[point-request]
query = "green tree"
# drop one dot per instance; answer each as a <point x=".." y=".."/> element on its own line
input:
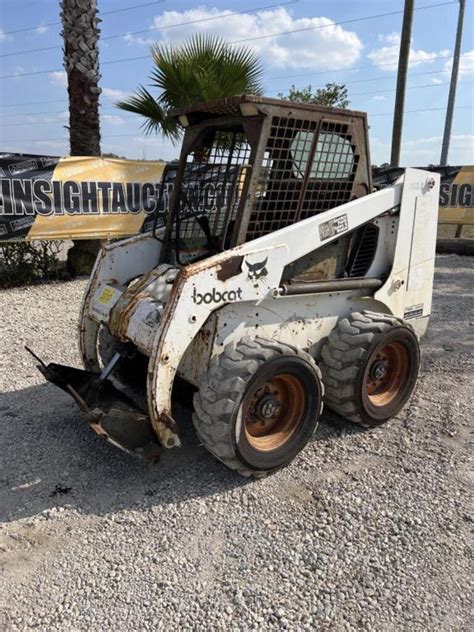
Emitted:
<point x="202" y="69"/>
<point x="334" y="95"/>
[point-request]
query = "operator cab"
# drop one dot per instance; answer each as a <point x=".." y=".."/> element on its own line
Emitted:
<point x="251" y="165"/>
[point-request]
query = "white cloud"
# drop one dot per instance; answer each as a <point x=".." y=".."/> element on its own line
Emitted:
<point x="4" y="36"/>
<point x="113" y="93"/>
<point x="139" y="41"/>
<point x="112" y="119"/>
<point x="62" y="117"/>
<point x="149" y="147"/>
<point x="19" y="70"/>
<point x="149" y="141"/>
<point x="425" y="151"/>
<point x="53" y="144"/>
<point x="389" y="38"/>
<point x="386" y="57"/>
<point x="317" y="49"/>
<point x="436" y="81"/>
<point x="58" y="78"/>
<point x="466" y="64"/>
<point x="380" y="97"/>
<point x="41" y="29"/>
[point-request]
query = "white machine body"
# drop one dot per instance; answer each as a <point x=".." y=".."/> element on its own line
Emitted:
<point x="181" y="316"/>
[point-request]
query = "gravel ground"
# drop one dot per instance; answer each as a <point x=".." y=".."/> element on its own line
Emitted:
<point x="365" y="530"/>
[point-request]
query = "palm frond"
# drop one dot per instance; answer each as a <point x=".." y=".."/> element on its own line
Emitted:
<point x="156" y="119"/>
<point x="204" y="68"/>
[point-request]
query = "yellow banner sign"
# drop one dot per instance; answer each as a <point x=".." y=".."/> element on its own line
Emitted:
<point x="456" y="199"/>
<point x="77" y="198"/>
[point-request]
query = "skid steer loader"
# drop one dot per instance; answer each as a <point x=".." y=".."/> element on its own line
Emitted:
<point x="277" y="281"/>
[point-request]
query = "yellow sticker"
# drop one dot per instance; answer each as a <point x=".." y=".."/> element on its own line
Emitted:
<point x="106" y="295"/>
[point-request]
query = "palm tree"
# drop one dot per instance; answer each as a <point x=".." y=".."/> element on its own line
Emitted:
<point x="81" y="61"/>
<point x="202" y="69"/>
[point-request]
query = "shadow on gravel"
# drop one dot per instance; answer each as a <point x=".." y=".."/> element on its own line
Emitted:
<point x="51" y="458"/>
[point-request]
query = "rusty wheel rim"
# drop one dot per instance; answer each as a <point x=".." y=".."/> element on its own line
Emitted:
<point x="387" y="373"/>
<point x="273" y="411"/>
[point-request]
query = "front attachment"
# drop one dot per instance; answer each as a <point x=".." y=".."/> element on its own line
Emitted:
<point x="111" y="414"/>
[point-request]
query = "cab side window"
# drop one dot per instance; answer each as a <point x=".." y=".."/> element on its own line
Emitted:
<point x="333" y="158"/>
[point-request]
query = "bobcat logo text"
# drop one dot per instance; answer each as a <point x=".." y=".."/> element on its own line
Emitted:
<point x="217" y="297"/>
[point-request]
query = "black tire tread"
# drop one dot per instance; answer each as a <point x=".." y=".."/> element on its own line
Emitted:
<point x="346" y="345"/>
<point x="222" y="387"/>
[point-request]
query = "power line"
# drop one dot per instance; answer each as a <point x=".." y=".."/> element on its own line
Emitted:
<point x="39" y="140"/>
<point x="323" y="26"/>
<point x="106" y="107"/>
<point x="3" y="116"/>
<point x="389" y="63"/>
<point x="129" y="8"/>
<point x="159" y="28"/>
<point x="462" y="107"/>
<point x="56" y="122"/>
<point x="425" y="85"/>
<point x="9" y="105"/>
<point x="379" y="78"/>
<point x="250" y="39"/>
<point x="15" y="105"/>
<point x="384" y="77"/>
<point x="63" y="100"/>
<point x="45" y="72"/>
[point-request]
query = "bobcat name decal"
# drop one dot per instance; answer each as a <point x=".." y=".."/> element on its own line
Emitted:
<point x="215" y="296"/>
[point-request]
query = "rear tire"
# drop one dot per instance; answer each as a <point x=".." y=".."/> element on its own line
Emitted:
<point x="258" y="404"/>
<point x="370" y="364"/>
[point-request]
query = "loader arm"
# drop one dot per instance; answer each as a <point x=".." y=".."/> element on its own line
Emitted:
<point x="206" y="286"/>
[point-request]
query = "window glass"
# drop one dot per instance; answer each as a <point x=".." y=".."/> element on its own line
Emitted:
<point x="300" y="148"/>
<point x="333" y="157"/>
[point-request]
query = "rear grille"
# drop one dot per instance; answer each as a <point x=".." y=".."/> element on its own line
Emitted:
<point x="363" y="251"/>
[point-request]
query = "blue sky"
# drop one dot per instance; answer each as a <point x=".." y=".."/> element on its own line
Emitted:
<point x="363" y="54"/>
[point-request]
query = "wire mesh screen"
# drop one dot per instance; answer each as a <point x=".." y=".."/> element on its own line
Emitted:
<point x="282" y="175"/>
<point x="304" y="172"/>
<point x="210" y="187"/>
<point x="332" y="170"/>
<point x="157" y="219"/>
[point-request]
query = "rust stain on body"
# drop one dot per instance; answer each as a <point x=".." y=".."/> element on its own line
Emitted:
<point x="230" y="268"/>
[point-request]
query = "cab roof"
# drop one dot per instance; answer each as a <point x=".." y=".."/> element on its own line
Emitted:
<point x="248" y="105"/>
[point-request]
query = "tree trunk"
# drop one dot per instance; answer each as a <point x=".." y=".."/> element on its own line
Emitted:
<point x="81" y="61"/>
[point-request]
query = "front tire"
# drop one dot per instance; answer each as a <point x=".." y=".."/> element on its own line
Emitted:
<point x="258" y="405"/>
<point x="370" y="365"/>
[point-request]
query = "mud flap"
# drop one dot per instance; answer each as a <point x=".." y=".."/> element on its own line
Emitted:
<point x="111" y="413"/>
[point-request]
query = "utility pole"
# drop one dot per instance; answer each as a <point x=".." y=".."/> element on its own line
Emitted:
<point x="401" y="82"/>
<point x="452" y="88"/>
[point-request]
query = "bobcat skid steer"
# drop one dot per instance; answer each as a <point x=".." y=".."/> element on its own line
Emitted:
<point x="277" y="281"/>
